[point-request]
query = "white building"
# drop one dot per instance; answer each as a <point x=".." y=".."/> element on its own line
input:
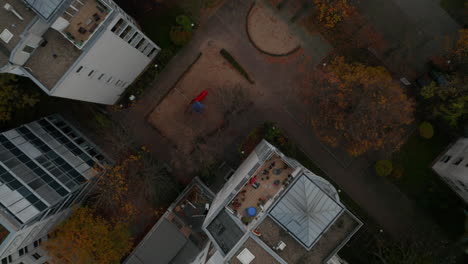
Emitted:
<point x="46" y="167"/>
<point x="274" y="210"/>
<point x="452" y="166"/>
<point x="87" y="50"/>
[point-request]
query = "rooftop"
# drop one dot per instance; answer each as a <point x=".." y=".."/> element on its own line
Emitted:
<point x="81" y="20"/>
<point x="341" y="230"/>
<point x="278" y="211"/>
<point x="44" y="8"/>
<point x="12" y="23"/>
<point x="262" y="187"/>
<point x="177" y="237"/>
<point x="251" y="248"/>
<point x="59" y="52"/>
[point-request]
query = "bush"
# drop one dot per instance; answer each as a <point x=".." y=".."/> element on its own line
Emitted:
<point x="164" y="56"/>
<point x="179" y="36"/>
<point x="185" y="22"/>
<point x="383" y="168"/>
<point x="235" y="64"/>
<point x="426" y="130"/>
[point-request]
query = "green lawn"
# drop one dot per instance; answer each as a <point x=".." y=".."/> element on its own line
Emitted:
<point x="421" y="184"/>
<point x="456" y="9"/>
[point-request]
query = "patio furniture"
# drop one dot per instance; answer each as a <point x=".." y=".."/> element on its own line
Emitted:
<point x="256" y="185"/>
<point x="277" y="171"/>
<point x="82" y="30"/>
<point x="276" y="182"/>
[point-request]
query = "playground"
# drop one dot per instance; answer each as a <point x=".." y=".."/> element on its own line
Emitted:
<point x="222" y="93"/>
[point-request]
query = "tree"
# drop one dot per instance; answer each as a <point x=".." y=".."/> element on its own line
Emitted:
<point x="13" y="97"/>
<point x="359" y="107"/>
<point x="331" y="12"/>
<point x="450" y="101"/>
<point x="383" y="168"/>
<point x="87" y="238"/>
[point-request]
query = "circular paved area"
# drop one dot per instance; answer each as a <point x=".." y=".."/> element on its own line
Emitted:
<point x="269" y="33"/>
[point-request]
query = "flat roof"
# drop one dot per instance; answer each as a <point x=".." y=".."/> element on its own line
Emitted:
<point x="164" y="243"/>
<point x="59" y="52"/>
<point x="252" y="248"/>
<point x="225" y="231"/>
<point x="45" y="8"/>
<point x="14" y="24"/>
<point x="328" y="245"/>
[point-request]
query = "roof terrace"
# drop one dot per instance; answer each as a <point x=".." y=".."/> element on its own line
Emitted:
<point x="329" y="243"/>
<point x="261" y="189"/>
<point x="81" y="20"/>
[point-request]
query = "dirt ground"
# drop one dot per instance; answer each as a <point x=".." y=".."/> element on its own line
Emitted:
<point x="268" y="32"/>
<point x="175" y="120"/>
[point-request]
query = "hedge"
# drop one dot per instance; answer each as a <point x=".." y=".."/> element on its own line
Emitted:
<point x="235" y="64"/>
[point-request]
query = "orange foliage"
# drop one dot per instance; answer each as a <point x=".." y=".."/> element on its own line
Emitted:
<point x="86" y="238"/>
<point x="359" y="107"/>
<point x="331" y="12"/>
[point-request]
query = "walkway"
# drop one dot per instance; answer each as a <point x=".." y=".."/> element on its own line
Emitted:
<point x="377" y="196"/>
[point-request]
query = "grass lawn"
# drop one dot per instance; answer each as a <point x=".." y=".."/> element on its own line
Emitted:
<point x="421" y="184"/>
<point x="456" y="9"/>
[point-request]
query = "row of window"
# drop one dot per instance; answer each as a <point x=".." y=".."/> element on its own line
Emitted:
<point x="102" y="77"/>
<point x="80" y="141"/>
<point x="458" y="161"/>
<point x="132" y="36"/>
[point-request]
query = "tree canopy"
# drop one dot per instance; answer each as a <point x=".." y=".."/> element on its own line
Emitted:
<point x="13" y="97"/>
<point x="359" y="107"/>
<point x="87" y="238"/>
<point x="450" y="101"/>
<point x="331" y="12"/>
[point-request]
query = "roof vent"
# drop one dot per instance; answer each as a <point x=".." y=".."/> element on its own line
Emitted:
<point x="6" y="35"/>
<point x="10" y="8"/>
<point x="245" y="257"/>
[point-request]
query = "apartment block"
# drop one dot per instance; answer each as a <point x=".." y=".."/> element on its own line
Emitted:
<point x="88" y="50"/>
<point x="452" y="166"/>
<point x="46" y="167"/>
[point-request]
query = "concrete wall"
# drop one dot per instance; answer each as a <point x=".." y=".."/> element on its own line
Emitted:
<point x="111" y="56"/>
<point x="452" y="166"/>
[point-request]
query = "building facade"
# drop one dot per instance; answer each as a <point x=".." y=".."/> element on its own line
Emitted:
<point x="88" y="50"/>
<point x="46" y="167"/>
<point x="452" y="166"/>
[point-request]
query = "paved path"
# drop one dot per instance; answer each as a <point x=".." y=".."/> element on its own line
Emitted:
<point x="377" y="196"/>
<point x="415" y="30"/>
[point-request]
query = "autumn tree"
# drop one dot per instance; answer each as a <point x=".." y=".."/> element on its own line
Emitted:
<point x="13" y="97"/>
<point x="449" y="101"/>
<point x="87" y="238"/>
<point x="359" y="107"/>
<point x="331" y="12"/>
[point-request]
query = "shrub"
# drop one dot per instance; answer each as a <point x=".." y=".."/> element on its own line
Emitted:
<point x="383" y="168"/>
<point x="185" y="22"/>
<point x="179" y="36"/>
<point x="426" y="130"/>
<point x="235" y="64"/>
<point x="164" y="56"/>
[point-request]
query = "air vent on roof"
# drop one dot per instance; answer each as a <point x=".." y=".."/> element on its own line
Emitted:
<point x="6" y="35"/>
<point x="10" y="8"/>
<point x="245" y="257"/>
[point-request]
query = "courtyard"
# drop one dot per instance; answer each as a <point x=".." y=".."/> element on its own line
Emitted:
<point x="188" y="141"/>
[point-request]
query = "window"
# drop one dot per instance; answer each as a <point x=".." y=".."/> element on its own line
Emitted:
<point x="79" y="69"/>
<point x="28" y="49"/>
<point x="6" y="36"/>
<point x="37" y="242"/>
<point x="458" y="161"/>
<point x="36" y="256"/>
<point x="151" y="52"/>
<point x="109" y="80"/>
<point x="23" y="251"/>
<point x="117" y="25"/>
<point x="125" y="32"/>
<point x="91" y="73"/>
<point x="100" y="76"/>
<point x="446" y="158"/>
